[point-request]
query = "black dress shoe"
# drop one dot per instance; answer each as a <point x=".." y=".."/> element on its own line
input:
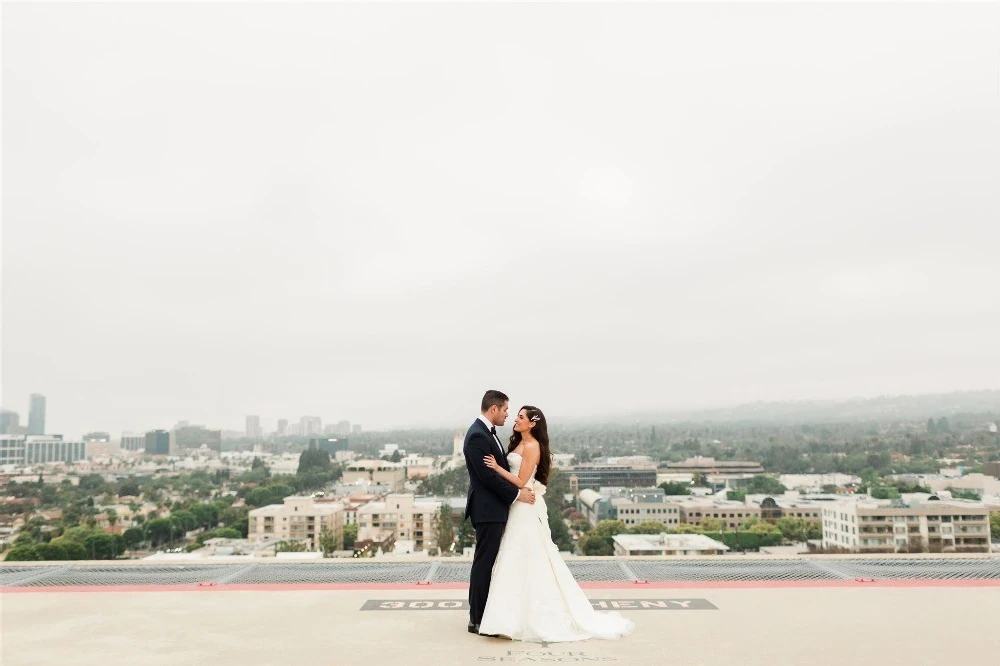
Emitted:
<point x="473" y="628"/>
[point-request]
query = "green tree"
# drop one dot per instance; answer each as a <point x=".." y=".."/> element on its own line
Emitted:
<point x="673" y="488"/>
<point x="609" y="528"/>
<point x="100" y="546"/>
<point x="236" y="517"/>
<point x="557" y="489"/>
<point x="595" y="546"/>
<point x="205" y="514"/>
<point x="132" y="537"/>
<point x="712" y="525"/>
<point x="185" y="520"/>
<point x="129" y="488"/>
<point x="793" y="529"/>
<point x="91" y="484"/>
<point x="931" y="427"/>
<point x="290" y="547"/>
<point x="581" y="525"/>
<point x="159" y="531"/>
<point x="766" y="485"/>
<point x="995" y="524"/>
<point x="763" y="528"/>
<point x="648" y="527"/>
<point x="454" y="482"/>
<point x="444" y="529"/>
<point x="328" y="542"/>
<point x="23" y="554"/>
<point x="600" y="540"/>
<point x="260" y="497"/>
<point x="314" y="460"/>
<point x="73" y="549"/>
<point x="112" y="517"/>
<point x="350" y="535"/>
<point x="51" y="551"/>
<point x="218" y="533"/>
<point x="557" y="528"/>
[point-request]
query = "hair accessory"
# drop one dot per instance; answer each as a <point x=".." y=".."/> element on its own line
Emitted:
<point x="536" y="417"/>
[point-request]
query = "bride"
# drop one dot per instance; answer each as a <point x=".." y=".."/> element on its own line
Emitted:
<point x="533" y="596"/>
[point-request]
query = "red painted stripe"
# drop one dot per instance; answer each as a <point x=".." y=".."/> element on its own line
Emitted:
<point x="611" y="585"/>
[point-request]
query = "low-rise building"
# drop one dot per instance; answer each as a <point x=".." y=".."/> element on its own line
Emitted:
<point x="562" y="460"/>
<point x="375" y="472"/>
<point x="596" y="475"/>
<point x="704" y="465"/>
<point x="790" y="505"/>
<point x="418" y="466"/>
<point x="41" y="449"/>
<point x="731" y="513"/>
<point x="12" y="451"/>
<point x="980" y="484"/>
<point x="637" y="545"/>
<point x="816" y="483"/>
<point x="642" y="505"/>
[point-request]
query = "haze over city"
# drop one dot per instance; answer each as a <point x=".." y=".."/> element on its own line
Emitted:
<point x="375" y="213"/>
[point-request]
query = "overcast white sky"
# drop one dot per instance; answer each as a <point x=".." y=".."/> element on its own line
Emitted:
<point x="375" y="213"/>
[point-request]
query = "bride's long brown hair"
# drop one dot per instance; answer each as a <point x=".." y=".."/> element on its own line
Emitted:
<point x="541" y="433"/>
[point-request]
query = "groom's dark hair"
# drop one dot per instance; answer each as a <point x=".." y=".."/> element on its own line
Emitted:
<point x="493" y="398"/>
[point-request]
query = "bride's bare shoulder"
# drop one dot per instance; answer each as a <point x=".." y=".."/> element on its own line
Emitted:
<point x="532" y="447"/>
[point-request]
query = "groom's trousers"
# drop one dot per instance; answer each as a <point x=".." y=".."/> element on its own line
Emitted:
<point x="488" y="537"/>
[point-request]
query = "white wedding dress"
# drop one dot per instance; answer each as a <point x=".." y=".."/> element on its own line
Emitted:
<point x="533" y="595"/>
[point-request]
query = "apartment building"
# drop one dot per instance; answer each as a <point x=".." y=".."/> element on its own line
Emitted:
<point x="405" y="517"/>
<point x="917" y="522"/>
<point x="297" y="518"/>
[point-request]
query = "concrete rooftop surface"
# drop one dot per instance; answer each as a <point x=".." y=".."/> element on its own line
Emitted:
<point x="913" y="610"/>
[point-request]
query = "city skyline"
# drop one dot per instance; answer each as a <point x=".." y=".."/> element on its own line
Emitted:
<point x="328" y="212"/>
<point x="892" y="407"/>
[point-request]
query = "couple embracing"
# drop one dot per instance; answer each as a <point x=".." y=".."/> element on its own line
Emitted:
<point x="520" y="587"/>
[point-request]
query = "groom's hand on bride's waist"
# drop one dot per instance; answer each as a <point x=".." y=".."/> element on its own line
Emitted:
<point x="526" y="495"/>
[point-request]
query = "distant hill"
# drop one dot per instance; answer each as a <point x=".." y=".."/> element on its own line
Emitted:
<point x="902" y="407"/>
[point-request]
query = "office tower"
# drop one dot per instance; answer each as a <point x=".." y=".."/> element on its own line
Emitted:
<point x="10" y="422"/>
<point x="158" y="442"/>
<point x="253" y="427"/>
<point x="36" y="417"/>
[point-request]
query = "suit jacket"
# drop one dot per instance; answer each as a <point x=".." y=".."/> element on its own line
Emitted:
<point x="490" y="495"/>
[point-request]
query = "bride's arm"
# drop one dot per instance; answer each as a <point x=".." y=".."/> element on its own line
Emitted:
<point x="492" y="464"/>
<point x="529" y="460"/>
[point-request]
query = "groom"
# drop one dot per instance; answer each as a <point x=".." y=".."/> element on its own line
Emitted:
<point x="490" y="498"/>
